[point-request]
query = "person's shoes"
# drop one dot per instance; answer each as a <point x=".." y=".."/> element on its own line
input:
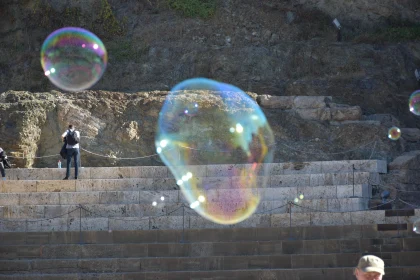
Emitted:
<point x="75" y="178"/>
<point x="66" y="178"/>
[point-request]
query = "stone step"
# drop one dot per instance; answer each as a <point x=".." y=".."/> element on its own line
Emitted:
<point x="108" y="265"/>
<point x="392" y="273"/>
<point x="106" y="185"/>
<point x="175" y="196"/>
<point x="206" y="249"/>
<point x="17" y="196"/>
<point x="226" y="234"/>
<point x="196" y="222"/>
<point x="129" y="209"/>
<point x="275" y="181"/>
<point x="317" y="167"/>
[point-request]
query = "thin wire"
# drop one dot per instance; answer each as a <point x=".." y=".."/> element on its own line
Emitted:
<point x="390" y="186"/>
<point x="117" y="158"/>
<point x="316" y="210"/>
<point x="33" y="157"/>
<point x="266" y="211"/>
<point x="40" y="220"/>
<point x="415" y="206"/>
<point x="337" y="153"/>
<point x="125" y="219"/>
<point x="371" y="154"/>
<point x="190" y="148"/>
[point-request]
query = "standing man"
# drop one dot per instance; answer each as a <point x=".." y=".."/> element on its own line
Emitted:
<point x="370" y="268"/>
<point x="72" y="137"/>
<point x="3" y="163"/>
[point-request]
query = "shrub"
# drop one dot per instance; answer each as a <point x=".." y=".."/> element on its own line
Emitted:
<point x="194" y="8"/>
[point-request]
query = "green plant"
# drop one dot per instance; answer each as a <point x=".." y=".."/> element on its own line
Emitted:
<point x="391" y="35"/>
<point x="110" y="24"/>
<point x="125" y="50"/>
<point x="72" y="16"/>
<point x="194" y="8"/>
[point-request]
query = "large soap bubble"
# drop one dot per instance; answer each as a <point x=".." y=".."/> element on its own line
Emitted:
<point x="204" y="122"/>
<point x="414" y="103"/>
<point x="73" y="58"/>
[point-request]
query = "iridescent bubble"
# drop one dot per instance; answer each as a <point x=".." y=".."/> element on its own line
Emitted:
<point x="394" y="133"/>
<point x="204" y="122"/>
<point x="73" y="58"/>
<point x="414" y="103"/>
<point x="416" y="226"/>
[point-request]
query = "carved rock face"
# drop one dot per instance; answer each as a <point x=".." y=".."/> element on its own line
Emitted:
<point x="122" y="125"/>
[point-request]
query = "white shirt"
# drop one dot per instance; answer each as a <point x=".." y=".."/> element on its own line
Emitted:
<point x="78" y="136"/>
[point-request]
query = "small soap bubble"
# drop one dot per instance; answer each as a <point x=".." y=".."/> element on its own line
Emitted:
<point x="414" y="103"/>
<point x="162" y="198"/>
<point x="154" y="203"/>
<point x="73" y="58"/>
<point x="394" y="133"/>
<point x="301" y="196"/>
<point x="416" y="226"/>
<point x="203" y="121"/>
<point x="296" y="200"/>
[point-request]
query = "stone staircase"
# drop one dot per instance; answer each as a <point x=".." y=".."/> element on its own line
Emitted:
<point x="104" y="226"/>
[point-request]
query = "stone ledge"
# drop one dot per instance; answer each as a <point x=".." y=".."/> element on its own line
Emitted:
<point x="197" y="222"/>
<point x="222" y="170"/>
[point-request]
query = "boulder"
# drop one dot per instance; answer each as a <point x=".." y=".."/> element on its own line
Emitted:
<point x="387" y="120"/>
<point x="311" y="102"/>
<point x="320" y="114"/>
<point x="275" y="102"/>
<point x="409" y="160"/>
<point x="346" y="113"/>
<point x="410" y="134"/>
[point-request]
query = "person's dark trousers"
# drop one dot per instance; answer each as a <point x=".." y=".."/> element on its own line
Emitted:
<point x="3" y="174"/>
<point x="73" y="152"/>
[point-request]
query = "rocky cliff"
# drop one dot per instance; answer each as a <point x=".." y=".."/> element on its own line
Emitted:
<point x="116" y="126"/>
<point x="269" y="47"/>
<point x="274" y="48"/>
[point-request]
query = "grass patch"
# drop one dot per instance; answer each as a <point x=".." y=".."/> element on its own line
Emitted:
<point x="125" y="50"/>
<point x="109" y="22"/>
<point x="194" y="8"/>
<point x="391" y="35"/>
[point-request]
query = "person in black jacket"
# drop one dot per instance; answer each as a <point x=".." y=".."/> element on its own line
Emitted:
<point x="72" y="137"/>
<point x="3" y="163"/>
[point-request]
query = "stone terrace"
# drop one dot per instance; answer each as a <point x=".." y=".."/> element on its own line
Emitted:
<point x="103" y="226"/>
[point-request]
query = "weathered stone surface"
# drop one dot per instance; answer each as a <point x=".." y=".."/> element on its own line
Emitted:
<point x="329" y="219"/>
<point x="18" y="186"/>
<point x="39" y="198"/>
<point x="320" y="114"/>
<point x="24" y="212"/>
<point x="346" y="113"/>
<point x="311" y="102"/>
<point x="54" y="186"/>
<point x="410" y="134"/>
<point x="409" y="160"/>
<point x="78" y="198"/>
<point x="276" y="102"/>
